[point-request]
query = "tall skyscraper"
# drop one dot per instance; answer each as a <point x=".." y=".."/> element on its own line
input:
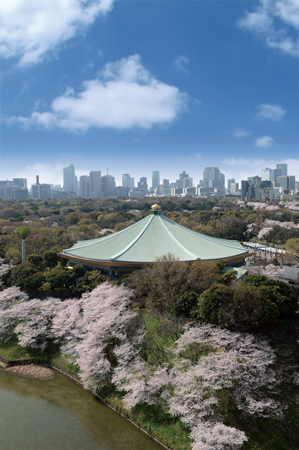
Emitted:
<point x="166" y="190"/>
<point x="69" y="179"/>
<point x="229" y="182"/>
<point x="84" y="186"/>
<point x="183" y="175"/>
<point x="108" y="185"/>
<point x="212" y="177"/>
<point x="126" y="180"/>
<point x="155" y="179"/>
<point x="282" y="169"/>
<point x="142" y="185"/>
<point x="95" y="183"/>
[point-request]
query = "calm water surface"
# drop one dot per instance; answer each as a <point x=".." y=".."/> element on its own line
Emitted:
<point x="60" y="415"/>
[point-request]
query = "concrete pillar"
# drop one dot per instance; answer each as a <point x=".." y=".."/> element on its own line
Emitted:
<point x="23" y="251"/>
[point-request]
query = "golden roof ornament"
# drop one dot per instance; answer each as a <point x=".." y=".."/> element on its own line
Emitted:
<point x="155" y="207"/>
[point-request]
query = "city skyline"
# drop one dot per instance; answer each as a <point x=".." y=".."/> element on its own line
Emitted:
<point x="166" y="86"/>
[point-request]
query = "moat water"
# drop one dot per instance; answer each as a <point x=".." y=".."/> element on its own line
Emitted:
<point x="60" y="415"/>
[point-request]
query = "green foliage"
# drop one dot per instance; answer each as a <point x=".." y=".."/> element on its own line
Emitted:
<point x="211" y="301"/>
<point x="257" y="302"/>
<point x="23" y="231"/>
<point x="51" y="259"/>
<point x="185" y="304"/>
<point x="34" y="259"/>
<point x="13" y="255"/>
<point x="229" y="277"/>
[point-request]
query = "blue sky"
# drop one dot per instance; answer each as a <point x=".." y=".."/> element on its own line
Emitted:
<point x="148" y="85"/>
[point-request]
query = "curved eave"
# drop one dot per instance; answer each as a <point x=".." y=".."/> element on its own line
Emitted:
<point x="149" y="239"/>
<point x="98" y="262"/>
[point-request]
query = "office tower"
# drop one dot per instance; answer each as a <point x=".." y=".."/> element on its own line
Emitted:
<point x="84" y="186"/>
<point x="244" y="189"/>
<point x="126" y="180"/>
<point x="212" y="177"/>
<point x="292" y="182"/>
<point x="155" y="179"/>
<point x="286" y="182"/>
<point x="269" y="174"/>
<point x="229" y="182"/>
<point x="282" y="169"/>
<point x="166" y="190"/>
<point x="69" y="179"/>
<point x="187" y="182"/>
<point x="234" y="188"/>
<point x="21" y="182"/>
<point x="132" y="183"/>
<point x="254" y="180"/>
<point x="183" y="175"/>
<point x="95" y="183"/>
<point x="283" y="182"/>
<point x="142" y="185"/>
<point x="40" y="190"/>
<point x="108" y="185"/>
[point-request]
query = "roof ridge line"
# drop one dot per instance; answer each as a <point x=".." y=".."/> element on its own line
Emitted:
<point x="102" y="239"/>
<point x="112" y="258"/>
<point x="205" y="236"/>
<point x="175" y="239"/>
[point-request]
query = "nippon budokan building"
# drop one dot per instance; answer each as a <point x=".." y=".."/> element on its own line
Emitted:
<point x="148" y="239"/>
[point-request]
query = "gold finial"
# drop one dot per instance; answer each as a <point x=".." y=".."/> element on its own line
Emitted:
<point x="155" y="207"/>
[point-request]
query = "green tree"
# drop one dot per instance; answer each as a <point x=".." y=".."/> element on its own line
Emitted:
<point x="23" y="231"/>
<point x="34" y="259"/>
<point x="51" y="259"/>
<point x="13" y="255"/>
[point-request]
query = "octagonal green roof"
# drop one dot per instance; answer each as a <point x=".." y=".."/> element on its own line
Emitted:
<point x="153" y="237"/>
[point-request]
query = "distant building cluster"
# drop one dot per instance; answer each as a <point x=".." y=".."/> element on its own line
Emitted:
<point x="273" y="184"/>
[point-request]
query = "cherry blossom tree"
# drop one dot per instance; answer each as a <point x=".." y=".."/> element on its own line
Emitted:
<point x="202" y="363"/>
<point x="91" y="327"/>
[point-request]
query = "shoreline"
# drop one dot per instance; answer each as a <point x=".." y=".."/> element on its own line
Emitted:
<point x="17" y="368"/>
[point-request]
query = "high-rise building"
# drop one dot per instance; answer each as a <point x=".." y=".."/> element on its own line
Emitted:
<point x="84" y="190"/>
<point x="21" y="182"/>
<point x="244" y="189"/>
<point x="269" y="174"/>
<point x="126" y="180"/>
<point x="234" y="188"/>
<point x="108" y="185"/>
<point x="213" y="178"/>
<point x="286" y="182"/>
<point x="69" y="179"/>
<point x="183" y="175"/>
<point x="155" y="179"/>
<point x="142" y="185"/>
<point x="282" y="169"/>
<point x="166" y="189"/>
<point x="95" y="183"/>
<point x="40" y="190"/>
<point x="187" y="182"/>
<point x="229" y="182"/>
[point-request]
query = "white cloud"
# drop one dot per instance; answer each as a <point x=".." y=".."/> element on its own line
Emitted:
<point x="240" y="133"/>
<point x="271" y="112"/>
<point x="123" y="96"/>
<point x="48" y="173"/>
<point x="180" y="63"/>
<point x="264" y="142"/>
<point x="276" y="22"/>
<point x="31" y="28"/>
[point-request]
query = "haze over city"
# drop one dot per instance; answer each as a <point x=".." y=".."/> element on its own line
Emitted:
<point x="164" y="85"/>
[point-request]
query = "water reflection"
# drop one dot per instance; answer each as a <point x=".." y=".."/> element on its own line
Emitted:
<point x="59" y="414"/>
